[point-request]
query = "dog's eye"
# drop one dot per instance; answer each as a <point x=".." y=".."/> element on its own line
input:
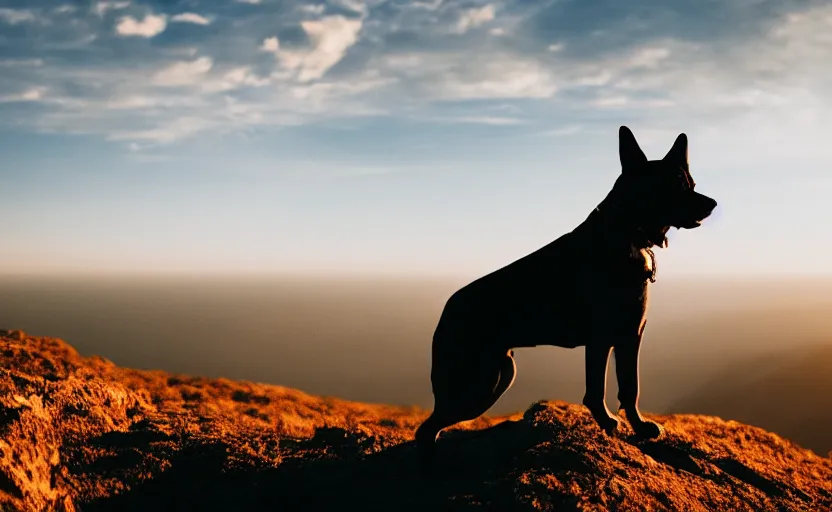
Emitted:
<point x="685" y="180"/>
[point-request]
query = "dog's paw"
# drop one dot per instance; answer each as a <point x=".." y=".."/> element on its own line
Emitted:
<point x="647" y="429"/>
<point x="602" y="416"/>
<point x="609" y="425"/>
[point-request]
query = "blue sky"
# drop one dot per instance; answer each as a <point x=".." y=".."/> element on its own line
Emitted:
<point x="402" y="136"/>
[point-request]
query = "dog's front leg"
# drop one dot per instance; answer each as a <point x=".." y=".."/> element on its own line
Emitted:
<point x="597" y="358"/>
<point x="626" y="369"/>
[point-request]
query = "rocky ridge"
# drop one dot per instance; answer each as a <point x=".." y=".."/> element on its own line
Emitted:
<point x="82" y="434"/>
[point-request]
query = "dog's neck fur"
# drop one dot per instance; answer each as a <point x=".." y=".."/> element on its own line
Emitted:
<point x="610" y="227"/>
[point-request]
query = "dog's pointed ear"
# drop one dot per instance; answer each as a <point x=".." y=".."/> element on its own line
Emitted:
<point x="632" y="157"/>
<point x="678" y="154"/>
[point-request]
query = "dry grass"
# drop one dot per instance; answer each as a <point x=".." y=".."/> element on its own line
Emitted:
<point x="83" y="434"/>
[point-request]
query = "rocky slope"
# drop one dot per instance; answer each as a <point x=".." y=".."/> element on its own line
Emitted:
<point x="81" y="434"/>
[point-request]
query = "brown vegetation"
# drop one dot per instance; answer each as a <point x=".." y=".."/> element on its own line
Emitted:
<point x="83" y="434"/>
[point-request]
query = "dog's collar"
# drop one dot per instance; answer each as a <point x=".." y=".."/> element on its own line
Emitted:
<point x="637" y="237"/>
<point x="653" y="267"/>
<point x="637" y="245"/>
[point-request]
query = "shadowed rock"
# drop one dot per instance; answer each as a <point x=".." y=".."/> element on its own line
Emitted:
<point x="83" y="434"/>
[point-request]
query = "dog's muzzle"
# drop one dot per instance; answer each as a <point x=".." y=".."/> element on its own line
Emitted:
<point x="689" y="224"/>
<point x="702" y="208"/>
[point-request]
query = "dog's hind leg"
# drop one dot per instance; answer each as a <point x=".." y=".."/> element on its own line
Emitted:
<point x="507" y="374"/>
<point x="461" y="396"/>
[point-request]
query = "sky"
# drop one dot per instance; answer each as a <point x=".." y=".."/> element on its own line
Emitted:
<point x="416" y="137"/>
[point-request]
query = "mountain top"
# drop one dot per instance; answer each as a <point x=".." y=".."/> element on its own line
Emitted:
<point x="82" y="434"/>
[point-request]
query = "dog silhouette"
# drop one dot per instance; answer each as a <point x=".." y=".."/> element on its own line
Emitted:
<point x="587" y="288"/>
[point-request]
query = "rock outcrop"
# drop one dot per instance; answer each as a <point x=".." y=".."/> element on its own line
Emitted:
<point x="81" y="434"/>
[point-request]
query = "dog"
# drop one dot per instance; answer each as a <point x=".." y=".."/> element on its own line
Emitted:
<point x="587" y="288"/>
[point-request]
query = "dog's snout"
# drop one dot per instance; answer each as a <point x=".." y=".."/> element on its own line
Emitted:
<point x="706" y="204"/>
<point x="710" y="204"/>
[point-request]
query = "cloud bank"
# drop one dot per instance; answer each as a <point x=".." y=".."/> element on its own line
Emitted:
<point x="162" y="72"/>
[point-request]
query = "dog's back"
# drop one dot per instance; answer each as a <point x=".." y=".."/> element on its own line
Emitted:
<point x="514" y="298"/>
<point x="546" y="297"/>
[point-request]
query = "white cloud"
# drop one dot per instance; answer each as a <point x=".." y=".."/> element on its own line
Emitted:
<point x="270" y="44"/>
<point x="184" y="73"/>
<point x="234" y="79"/>
<point x="21" y="62"/>
<point x="487" y="120"/>
<point x="252" y="2"/>
<point x="563" y="131"/>
<point x="34" y="94"/>
<point x="187" y="51"/>
<point x="169" y="132"/>
<point x="132" y="102"/>
<point x="312" y="8"/>
<point x="752" y="97"/>
<point x="150" y="26"/>
<point x="430" y="6"/>
<point x="657" y="103"/>
<point x="101" y="8"/>
<point x="468" y="76"/>
<point x="613" y="102"/>
<point x="15" y="16"/>
<point x="595" y="80"/>
<point x="498" y="76"/>
<point x="342" y="88"/>
<point x="331" y="37"/>
<point x="473" y="18"/>
<point x="147" y="100"/>
<point x="190" y="17"/>
<point x="781" y="71"/>
<point x="803" y="39"/>
<point x="523" y="85"/>
<point x="353" y="5"/>
<point x="63" y="9"/>
<point x="648" y="57"/>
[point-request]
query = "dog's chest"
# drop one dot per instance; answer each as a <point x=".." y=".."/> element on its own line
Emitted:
<point x="642" y="263"/>
<point x="620" y="277"/>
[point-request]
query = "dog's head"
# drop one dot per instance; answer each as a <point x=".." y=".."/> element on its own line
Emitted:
<point x="659" y="194"/>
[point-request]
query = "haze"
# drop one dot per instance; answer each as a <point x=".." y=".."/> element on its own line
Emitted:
<point x="369" y="339"/>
